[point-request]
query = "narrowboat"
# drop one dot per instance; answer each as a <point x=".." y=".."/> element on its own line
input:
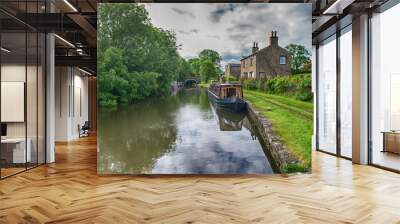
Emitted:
<point x="227" y="96"/>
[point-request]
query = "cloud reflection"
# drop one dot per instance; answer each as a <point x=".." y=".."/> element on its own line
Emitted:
<point x="203" y="149"/>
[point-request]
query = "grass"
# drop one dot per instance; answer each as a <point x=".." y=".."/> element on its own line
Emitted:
<point x="292" y="121"/>
<point x="204" y="85"/>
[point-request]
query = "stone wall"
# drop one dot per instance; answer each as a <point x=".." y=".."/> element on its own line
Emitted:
<point x="281" y="155"/>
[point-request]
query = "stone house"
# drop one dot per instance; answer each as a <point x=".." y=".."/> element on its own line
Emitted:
<point x="268" y="62"/>
<point x="232" y="69"/>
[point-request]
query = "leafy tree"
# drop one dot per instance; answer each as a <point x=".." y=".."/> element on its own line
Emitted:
<point x="136" y="59"/>
<point x="195" y="66"/>
<point x="306" y="68"/>
<point x="112" y="70"/>
<point x="185" y="70"/>
<point x="211" y="55"/>
<point x="300" y="58"/>
<point x="206" y="60"/>
<point x="207" y="70"/>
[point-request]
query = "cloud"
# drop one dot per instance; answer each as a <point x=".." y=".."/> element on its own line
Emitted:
<point x="209" y="150"/>
<point x="221" y="10"/>
<point x="242" y="27"/>
<point x="231" y="28"/>
<point x="183" y="12"/>
<point x="192" y="31"/>
<point x="292" y="23"/>
<point x="214" y="36"/>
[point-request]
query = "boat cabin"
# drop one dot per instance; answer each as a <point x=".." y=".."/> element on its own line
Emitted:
<point x="227" y="90"/>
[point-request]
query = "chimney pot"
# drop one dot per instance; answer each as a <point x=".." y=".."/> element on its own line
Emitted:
<point x="273" y="40"/>
<point x="254" y="48"/>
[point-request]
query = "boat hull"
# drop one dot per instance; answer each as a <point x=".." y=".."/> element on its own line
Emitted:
<point x="236" y="105"/>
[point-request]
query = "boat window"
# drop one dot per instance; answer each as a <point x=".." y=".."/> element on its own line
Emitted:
<point x="231" y="92"/>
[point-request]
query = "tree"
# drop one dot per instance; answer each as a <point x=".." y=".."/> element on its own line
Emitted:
<point x="306" y="68"/>
<point x="185" y="70"/>
<point x="195" y="66"/>
<point x="207" y="65"/>
<point x="300" y="58"/>
<point x="136" y="59"/>
<point x="112" y="82"/>
<point x="207" y="70"/>
<point x="211" y="55"/>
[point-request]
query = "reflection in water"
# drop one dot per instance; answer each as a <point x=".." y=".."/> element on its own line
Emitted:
<point x="228" y="121"/>
<point x="177" y="135"/>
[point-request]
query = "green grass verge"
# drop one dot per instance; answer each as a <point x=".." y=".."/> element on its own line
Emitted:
<point x="292" y="121"/>
<point x="204" y="85"/>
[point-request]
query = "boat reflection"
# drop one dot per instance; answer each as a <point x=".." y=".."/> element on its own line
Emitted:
<point x="228" y="121"/>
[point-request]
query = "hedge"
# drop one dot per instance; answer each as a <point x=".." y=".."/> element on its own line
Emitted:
<point x="297" y="86"/>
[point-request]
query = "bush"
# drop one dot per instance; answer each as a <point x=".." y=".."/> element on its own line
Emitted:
<point x="230" y="79"/>
<point x="129" y="88"/>
<point x="297" y="86"/>
<point x="250" y="84"/>
<point x="107" y="100"/>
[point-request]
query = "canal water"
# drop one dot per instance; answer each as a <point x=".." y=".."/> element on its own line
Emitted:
<point x="180" y="134"/>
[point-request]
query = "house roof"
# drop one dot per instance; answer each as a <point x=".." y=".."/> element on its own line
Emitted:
<point x="233" y="64"/>
<point x="263" y="49"/>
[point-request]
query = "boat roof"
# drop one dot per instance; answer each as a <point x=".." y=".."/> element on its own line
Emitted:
<point x="229" y="84"/>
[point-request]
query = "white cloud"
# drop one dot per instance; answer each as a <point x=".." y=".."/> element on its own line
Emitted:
<point x="231" y="28"/>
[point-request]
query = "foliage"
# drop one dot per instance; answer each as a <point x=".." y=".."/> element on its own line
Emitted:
<point x="229" y="79"/>
<point x="211" y="55"/>
<point x="206" y="65"/>
<point x="207" y="70"/>
<point x="195" y="66"/>
<point x="297" y="86"/>
<point x="300" y="56"/>
<point x="184" y="71"/>
<point x="135" y="59"/>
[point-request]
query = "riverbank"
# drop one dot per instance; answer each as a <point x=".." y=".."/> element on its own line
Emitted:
<point x="292" y="120"/>
<point x="204" y="85"/>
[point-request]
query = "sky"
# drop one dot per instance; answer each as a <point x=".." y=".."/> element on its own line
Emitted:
<point x="231" y="28"/>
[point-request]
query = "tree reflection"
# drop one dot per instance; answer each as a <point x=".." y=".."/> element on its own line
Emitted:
<point x="134" y="135"/>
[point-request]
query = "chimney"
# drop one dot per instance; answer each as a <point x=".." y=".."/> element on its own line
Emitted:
<point x="273" y="40"/>
<point x="254" y="49"/>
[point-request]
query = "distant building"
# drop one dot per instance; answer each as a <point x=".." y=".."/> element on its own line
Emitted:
<point x="270" y="61"/>
<point x="232" y="69"/>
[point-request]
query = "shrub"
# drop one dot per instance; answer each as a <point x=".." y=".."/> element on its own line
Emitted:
<point x="297" y="86"/>
<point x="130" y="88"/>
<point x="231" y="79"/>
<point x="107" y="100"/>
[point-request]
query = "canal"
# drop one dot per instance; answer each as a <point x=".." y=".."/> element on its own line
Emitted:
<point x="179" y="134"/>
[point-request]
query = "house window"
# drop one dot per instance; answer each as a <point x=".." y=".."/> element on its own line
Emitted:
<point x="282" y="60"/>
<point x="251" y="61"/>
<point x="262" y="74"/>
